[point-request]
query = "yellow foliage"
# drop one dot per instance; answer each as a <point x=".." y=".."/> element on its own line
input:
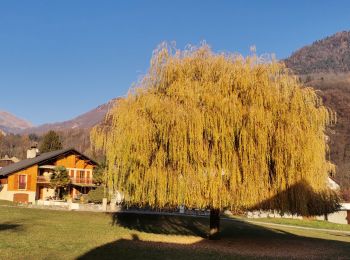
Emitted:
<point x="203" y="129"/>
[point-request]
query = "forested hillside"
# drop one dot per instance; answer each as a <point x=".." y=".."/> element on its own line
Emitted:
<point x="325" y="65"/>
<point x="331" y="54"/>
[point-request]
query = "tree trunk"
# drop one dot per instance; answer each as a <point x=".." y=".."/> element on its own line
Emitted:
<point x="214" y="232"/>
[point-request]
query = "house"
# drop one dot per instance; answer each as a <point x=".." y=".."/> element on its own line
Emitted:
<point x="333" y="184"/>
<point x="7" y="161"/>
<point x="29" y="180"/>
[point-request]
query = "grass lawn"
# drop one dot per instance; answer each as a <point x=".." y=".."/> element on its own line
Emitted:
<point x="47" y="234"/>
<point x="304" y="223"/>
<point x="7" y="203"/>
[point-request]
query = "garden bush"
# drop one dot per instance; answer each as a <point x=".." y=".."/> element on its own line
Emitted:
<point x="97" y="195"/>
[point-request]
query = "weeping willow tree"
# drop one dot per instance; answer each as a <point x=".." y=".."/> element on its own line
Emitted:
<point x="217" y="131"/>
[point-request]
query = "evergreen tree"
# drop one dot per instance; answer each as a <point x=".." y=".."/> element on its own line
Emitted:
<point x="99" y="176"/>
<point x="60" y="179"/>
<point x="50" y="142"/>
<point x="34" y="137"/>
<point x="218" y="131"/>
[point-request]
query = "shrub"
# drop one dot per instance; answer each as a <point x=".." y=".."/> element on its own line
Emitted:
<point x="84" y="198"/>
<point x="97" y="195"/>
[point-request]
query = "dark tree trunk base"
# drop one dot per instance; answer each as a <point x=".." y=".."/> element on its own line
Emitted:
<point x="214" y="232"/>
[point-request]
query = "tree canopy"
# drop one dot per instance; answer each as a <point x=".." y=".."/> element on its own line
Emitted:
<point x="99" y="176"/>
<point x="50" y="142"/>
<point x="60" y="179"/>
<point x="217" y="130"/>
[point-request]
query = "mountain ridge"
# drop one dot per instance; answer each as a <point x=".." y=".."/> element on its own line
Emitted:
<point x="10" y="122"/>
<point x="84" y="121"/>
<point x="328" y="55"/>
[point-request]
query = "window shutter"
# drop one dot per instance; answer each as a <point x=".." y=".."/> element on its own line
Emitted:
<point x="15" y="185"/>
<point x="29" y="182"/>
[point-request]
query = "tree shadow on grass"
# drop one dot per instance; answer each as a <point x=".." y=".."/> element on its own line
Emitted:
<point x="161" y="224"/>
<point x="9" y="226"/>
<point x="239" y="239"/>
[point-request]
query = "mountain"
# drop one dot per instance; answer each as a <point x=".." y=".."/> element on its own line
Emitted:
<point x="11" y="123"/>
<point x="331" y="54"/>
<point x="84" y="121"/>
<point x="73" y="133"/>
<point x="325" y="65"/>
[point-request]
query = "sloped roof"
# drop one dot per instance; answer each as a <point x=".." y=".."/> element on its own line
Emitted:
<point x="15" y="167"/>
<point x="332" y="178"/>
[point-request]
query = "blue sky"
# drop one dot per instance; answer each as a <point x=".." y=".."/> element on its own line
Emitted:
<point x="59" y="59"/>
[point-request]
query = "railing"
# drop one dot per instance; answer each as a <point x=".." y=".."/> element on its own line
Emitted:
<point x="43" y="179"/>
<point x="82" y="180"/>
<point x="46" y="179"/>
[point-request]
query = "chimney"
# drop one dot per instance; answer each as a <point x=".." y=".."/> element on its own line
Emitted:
<point x="32" y="152"/>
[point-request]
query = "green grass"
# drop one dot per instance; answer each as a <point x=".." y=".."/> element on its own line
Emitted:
<point x="6" y="203"/>
<point x="304" y="223"/>
<point x="46" y="234"/>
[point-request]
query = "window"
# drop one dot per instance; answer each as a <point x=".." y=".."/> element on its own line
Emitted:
<point x="82" y="174"/>
<point x="22" y="182"/>
<point x="72" y="173"/>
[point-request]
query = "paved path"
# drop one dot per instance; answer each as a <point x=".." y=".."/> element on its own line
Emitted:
<point x="297" y="227"/>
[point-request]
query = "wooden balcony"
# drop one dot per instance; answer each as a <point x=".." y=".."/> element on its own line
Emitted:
<point x="43" y="179"/>
<point x="81" y="180"/>
<point x="46" y="179"/>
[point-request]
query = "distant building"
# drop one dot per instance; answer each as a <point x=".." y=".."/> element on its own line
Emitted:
<point x="7" y="161"/>
<point x="333" y="184"/>
<point x="29" y="180"/>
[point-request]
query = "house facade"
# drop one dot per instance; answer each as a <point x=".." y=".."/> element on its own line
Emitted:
<point x="29" y="180"/>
